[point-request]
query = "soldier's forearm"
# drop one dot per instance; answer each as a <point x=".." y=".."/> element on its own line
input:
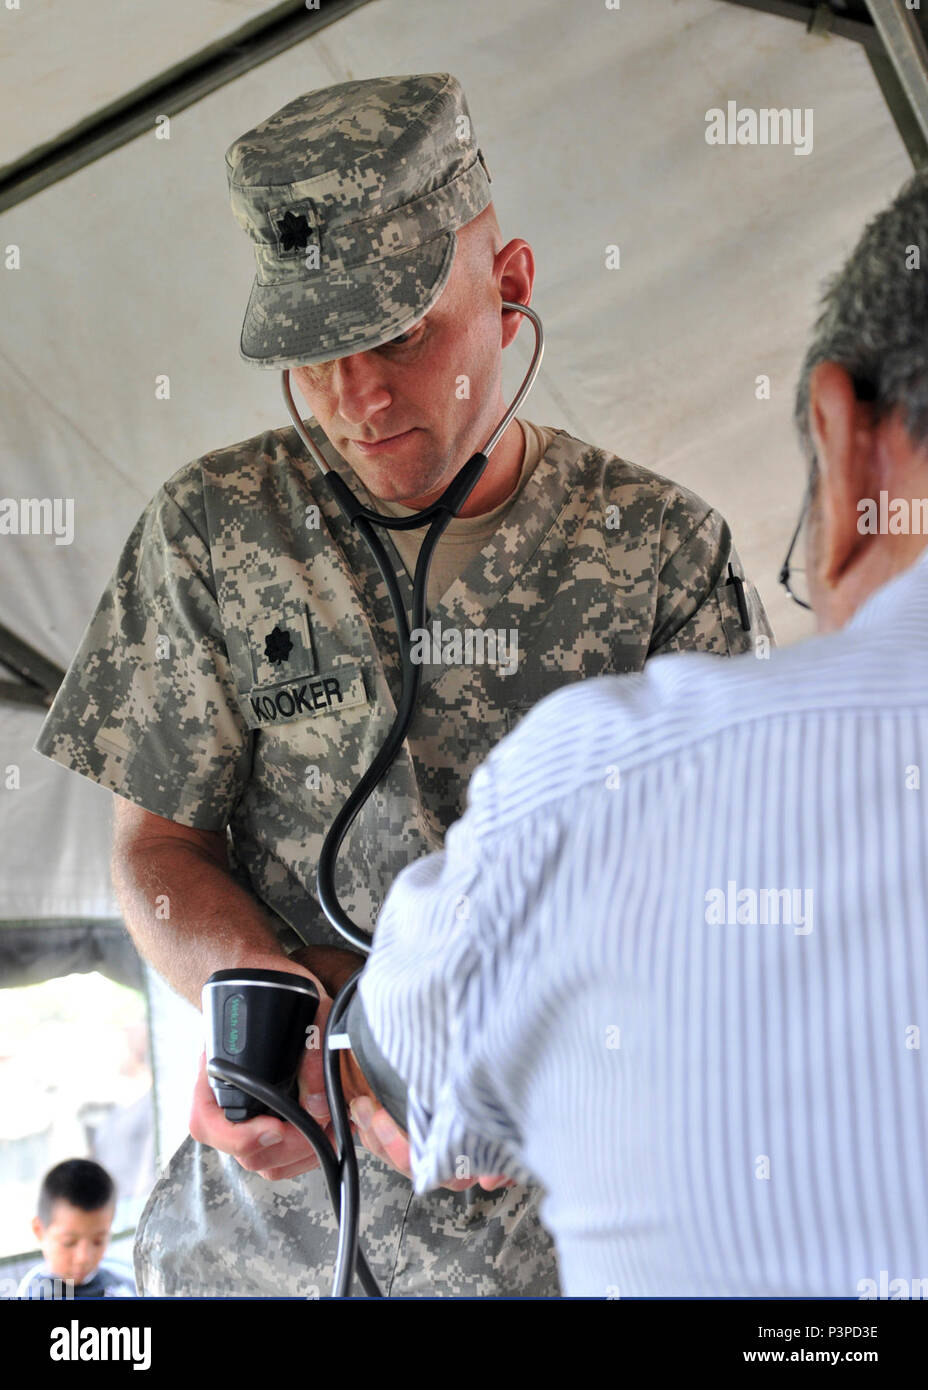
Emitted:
<point x="188" y="916"/>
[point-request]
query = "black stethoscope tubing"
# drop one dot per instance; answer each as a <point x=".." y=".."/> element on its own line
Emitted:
<point x="437" y="516"/>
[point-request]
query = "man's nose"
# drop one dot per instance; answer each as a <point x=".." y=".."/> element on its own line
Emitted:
<point x="360" y="389"/>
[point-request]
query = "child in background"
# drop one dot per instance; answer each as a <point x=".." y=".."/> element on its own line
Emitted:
<point x="77" y="1202"/>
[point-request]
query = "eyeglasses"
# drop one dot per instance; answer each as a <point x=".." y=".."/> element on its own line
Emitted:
<point x="793" y="577"/>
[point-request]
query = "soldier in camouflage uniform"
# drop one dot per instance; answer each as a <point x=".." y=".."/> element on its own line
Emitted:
<point x="241" y="670"/>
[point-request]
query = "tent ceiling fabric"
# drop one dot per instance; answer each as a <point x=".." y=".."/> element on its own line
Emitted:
<point x="593" y="126"/>
<point x="82" y="57"/>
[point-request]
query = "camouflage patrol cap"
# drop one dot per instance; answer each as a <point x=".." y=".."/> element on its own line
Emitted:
<point x="352" y="195"/>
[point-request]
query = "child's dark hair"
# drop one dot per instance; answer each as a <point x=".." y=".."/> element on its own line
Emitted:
<point x="79" y="1181"/>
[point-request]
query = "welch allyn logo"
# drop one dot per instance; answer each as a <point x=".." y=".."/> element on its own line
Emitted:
<point x="76" y="1343"/>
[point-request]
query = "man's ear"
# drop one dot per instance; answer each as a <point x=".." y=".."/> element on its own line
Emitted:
<point x="843" y="440"/>
<point x="38" y="1230"/>
<point x="515" y="265"/>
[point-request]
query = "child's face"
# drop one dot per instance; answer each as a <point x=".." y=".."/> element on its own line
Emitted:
<point x="74" y="1241"/>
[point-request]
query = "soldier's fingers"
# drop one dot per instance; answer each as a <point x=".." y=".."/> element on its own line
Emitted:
<point x="257" y="1142"/>
<point x="393" y="1140"/>
<point x="293" y="1170"/>
<point x="370" y="1141"/>
<point x="208" y="1124"/>
<point x="290" y="1170"/>
<point x="253" y="1142"/>
<point x="381" y="1135"/>
<point x="291" y="1148"/>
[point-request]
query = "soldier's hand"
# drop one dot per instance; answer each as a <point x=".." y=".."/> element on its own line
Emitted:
<point x="266" y="1144"/>
<point x="378" y="1132"/>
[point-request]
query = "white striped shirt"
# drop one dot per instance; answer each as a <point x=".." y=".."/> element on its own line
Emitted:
<point x="672" y="965"/>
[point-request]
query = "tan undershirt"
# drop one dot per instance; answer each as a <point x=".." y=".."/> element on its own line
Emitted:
<point x="465" y="536"/>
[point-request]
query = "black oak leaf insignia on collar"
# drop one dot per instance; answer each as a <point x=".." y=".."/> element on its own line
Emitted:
<point x="278" y="645"/>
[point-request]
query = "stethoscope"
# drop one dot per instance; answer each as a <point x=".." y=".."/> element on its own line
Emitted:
<point x="436" y="517"/>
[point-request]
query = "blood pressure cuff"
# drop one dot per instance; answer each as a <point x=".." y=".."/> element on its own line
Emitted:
<point x="387" y="1084"/>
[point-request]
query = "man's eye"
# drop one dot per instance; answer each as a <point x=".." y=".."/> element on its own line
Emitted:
<point x="404" y="338"/>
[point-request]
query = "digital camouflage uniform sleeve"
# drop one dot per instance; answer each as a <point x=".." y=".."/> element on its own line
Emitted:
<point x="148" y="707"/>
<point x="703" y="596"/>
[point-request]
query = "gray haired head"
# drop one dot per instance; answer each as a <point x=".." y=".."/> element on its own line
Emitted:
<point x="874" y="317"/>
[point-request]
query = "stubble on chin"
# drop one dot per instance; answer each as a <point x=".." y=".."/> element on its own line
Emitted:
<point x="391" y="482"/>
